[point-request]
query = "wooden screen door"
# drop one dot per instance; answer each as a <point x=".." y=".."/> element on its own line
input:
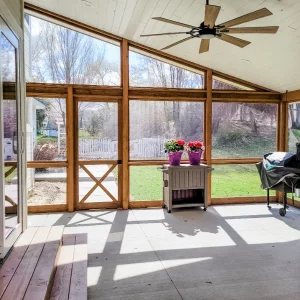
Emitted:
<point x="97" y="154"/>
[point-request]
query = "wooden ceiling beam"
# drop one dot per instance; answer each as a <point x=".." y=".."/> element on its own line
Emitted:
<point x="246" y="96"/>
<point x="293" y="96"/>
<point x="103" y="93"/>
<point x="46" y="90"/>
<point x="167" y="94"/>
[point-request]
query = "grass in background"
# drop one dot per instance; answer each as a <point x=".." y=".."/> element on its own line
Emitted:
<point x="46" y="139"/>
<point x="145" y="183"/>
<point x="9" y="178"/>
<point x="236" y="180"/>
<point x="227" y="181"/>
<point x="255" y="148"/>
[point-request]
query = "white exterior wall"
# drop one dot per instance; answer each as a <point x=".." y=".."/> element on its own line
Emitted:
<point x="16" y="8"/>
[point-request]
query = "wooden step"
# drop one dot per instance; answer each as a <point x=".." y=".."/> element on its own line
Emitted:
<point x="70" y="280"/>
<point x="42" y="280"/>
<point x="11" y="264"/>
<point x="33" y="264"/>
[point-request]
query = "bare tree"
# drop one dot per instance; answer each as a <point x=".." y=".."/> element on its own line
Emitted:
<point x="61" y="55"/>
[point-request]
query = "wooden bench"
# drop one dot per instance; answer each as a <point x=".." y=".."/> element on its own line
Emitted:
<point x="70" y="280"/>
<point x="29" y="270"/>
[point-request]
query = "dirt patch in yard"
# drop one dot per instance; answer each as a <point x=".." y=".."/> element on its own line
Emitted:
<point x="45" y="193"/>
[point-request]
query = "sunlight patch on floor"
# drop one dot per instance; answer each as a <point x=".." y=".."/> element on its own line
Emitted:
<point x="138" y="269"/>
<point x="94" y="275"/>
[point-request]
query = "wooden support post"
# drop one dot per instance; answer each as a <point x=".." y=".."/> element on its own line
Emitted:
<point x="282" y="133"/>
<point x="286" y="127"/>
<point x="282" y="142"/>
<point x="125" y="123"/>
<point x="208" y="129"/>
<point x="70" y="150"/>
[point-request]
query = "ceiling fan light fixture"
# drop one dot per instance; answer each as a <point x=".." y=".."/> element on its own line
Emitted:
<point x="207" y="36"/>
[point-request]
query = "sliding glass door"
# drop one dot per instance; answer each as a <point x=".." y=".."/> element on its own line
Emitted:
<point x="11" y="142"/>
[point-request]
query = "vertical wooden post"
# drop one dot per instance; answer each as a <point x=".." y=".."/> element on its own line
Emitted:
<point x="286" y="126"/>
<point x="208" y="128"/>
<point x="125" y="122"/>
<point x="282" y="138"/>
<point x="70" y="150"/>
<point x="282" y="132"/>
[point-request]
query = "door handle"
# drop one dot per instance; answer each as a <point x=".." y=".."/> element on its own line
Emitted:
<point x="14" y="139"/>
<point x="22" y="142"/>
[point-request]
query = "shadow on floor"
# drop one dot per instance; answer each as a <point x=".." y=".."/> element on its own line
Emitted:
<point x="228" y="252"/>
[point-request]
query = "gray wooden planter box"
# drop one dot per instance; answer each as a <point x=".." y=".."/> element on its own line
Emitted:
<point x="185" y="186"/>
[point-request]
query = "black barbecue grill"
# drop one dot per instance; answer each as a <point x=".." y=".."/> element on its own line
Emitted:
<point x="280" y="171"/>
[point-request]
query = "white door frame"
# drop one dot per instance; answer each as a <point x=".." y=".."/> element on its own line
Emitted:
<point x="7" y="242"/>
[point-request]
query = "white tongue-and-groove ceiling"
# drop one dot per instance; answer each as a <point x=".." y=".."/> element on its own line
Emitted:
<point x="271" y="60"/>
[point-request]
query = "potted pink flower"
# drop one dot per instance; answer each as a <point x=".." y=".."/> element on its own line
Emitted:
<point x="174" y="148"/>
<point x="195" y="150"/>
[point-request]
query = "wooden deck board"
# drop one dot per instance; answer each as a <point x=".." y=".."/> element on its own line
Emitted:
<point x="11" y="264"/>
<point x="41" y="282"/>
<point x="62" y="280"/>
<point x="20" y="280"/>
<point x="39" y="254"/>
<point x="78" y="287"/>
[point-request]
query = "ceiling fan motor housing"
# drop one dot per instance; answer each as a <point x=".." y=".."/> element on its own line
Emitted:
<point x="203" y="32"/>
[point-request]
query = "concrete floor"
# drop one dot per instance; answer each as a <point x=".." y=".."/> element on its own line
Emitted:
<point x="229" y="252"/>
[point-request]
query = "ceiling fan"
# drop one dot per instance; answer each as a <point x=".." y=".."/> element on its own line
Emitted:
<point x="208" y="30"/>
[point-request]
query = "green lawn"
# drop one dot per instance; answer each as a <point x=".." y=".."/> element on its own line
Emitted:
<point x="9" y="178"/>
<point x="45" y="139"/>
<point x="145" y="183"/>
<point x="227" y="181"/>
<point x="236" y="180"/>
<point x="83" y="133"/>
<point x="255" y="148"/>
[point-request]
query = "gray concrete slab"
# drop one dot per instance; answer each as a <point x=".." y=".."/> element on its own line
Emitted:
<point x="229" y="252"/>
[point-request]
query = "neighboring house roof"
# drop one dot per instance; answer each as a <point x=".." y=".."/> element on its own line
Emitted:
<point x="51" y="125"/>
<point x="38" y="105"/>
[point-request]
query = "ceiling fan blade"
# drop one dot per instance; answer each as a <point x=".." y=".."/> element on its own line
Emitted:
<point x="204" y="46"/>
<point x="269" y="29"/>
<point x="176" y="43"/>
<point x="211" y="14"/>
<point x="172" y="22"/>
<point x="233" y="40"/>
<point x="261" y="13"/>
<point x="154" y="34"/>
